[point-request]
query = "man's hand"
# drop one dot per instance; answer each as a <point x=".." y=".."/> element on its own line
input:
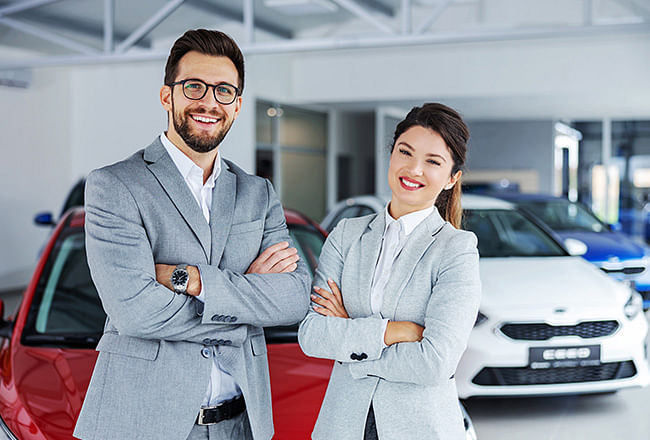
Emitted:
<point x="402" y="331"/>
<point x="164" y="274"/>
<point x="331" y="303"/>
<point x="278" y="258"/>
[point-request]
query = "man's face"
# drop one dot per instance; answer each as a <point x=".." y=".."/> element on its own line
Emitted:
<point x="200" y="124"/>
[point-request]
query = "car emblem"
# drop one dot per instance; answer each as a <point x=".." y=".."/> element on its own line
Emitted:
<point x="560" y="310"/>
<point x="613" y="259"/>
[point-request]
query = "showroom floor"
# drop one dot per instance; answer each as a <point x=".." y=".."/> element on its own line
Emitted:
<point x="623" y="415"/>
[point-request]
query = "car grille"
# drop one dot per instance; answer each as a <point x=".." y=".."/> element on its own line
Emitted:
<point x="545" y="376"/>
<point x="542" y="332"/>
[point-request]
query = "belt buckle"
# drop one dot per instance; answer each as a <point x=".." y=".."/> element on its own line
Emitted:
<point x="200" y="421"/>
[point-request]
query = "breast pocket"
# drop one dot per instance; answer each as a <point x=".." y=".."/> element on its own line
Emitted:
<point x="240" y="228"/>
<point x="243" y="245"/>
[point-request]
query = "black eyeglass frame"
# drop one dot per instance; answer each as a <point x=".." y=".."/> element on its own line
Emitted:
<point x="207" y="86"/>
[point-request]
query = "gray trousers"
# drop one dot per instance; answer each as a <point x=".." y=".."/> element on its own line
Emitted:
<point x="237" y="428"/>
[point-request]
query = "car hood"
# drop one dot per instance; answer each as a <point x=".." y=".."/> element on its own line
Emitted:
<point x="547" y="283"/>
<point x="52" y="383"/>
<point x="601" y="246"/>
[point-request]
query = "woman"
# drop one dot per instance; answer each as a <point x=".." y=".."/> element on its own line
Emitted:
<point x="409" y="294"/>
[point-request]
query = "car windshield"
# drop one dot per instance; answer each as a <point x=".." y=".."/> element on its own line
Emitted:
<point x="507" y="233"/>
<point x="66" y="309"/>
<point x="562" y="215"/>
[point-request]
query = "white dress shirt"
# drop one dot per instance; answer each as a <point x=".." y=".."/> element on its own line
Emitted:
<point x="222" y="386"/>
<point x="395" y="234"/>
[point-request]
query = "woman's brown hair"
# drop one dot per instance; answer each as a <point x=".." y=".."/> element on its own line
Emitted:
<point x="450" y="126"/>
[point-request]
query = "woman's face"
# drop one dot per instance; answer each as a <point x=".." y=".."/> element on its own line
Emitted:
<point x="420" y="168"/>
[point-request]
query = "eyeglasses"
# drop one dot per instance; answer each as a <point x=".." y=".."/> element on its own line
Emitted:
<point x="196" y="89"/>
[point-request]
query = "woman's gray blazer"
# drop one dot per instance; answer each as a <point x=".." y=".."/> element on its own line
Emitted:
<point x="435" y="283"/>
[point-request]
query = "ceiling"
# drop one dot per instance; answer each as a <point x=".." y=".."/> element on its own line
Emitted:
<point x="66" y="32"/>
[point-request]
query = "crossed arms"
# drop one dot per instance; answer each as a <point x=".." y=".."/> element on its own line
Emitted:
<point x="123" y="269"/>
<point x="420" y="354"/>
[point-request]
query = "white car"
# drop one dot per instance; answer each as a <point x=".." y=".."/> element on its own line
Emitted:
<point x="549" y="323"/>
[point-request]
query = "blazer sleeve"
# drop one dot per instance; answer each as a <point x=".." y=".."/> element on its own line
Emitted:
<point x="450" y="316"/>
<point x="122" y="267"/>
<point x="260" y="300"/>
<point x="335" y="338"/>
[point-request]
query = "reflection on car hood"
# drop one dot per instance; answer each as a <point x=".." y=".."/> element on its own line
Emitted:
<point x="52" y="383"/>
<point x="601" y="246"/>
<point x="539" y="283"/>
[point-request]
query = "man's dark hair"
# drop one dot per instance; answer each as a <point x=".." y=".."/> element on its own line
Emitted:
<point x="206" y="42"/>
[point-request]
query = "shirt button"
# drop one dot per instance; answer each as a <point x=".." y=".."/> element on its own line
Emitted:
<point x="206" y="352"/>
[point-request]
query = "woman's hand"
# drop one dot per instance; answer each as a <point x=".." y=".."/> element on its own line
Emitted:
<point x="402" y="331"/>
<point x="331" y="303"/>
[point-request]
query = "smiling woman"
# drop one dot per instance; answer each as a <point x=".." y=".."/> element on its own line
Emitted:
<point x="397" y="294"/>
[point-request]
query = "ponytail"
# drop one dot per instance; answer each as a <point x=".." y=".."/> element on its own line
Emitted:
<point x="448" y="205"/>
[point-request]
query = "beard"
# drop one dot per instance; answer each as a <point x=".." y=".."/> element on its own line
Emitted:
<point x="197" y="142"/>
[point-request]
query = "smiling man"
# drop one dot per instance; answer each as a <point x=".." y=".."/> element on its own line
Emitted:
<point x="191" y="258"/>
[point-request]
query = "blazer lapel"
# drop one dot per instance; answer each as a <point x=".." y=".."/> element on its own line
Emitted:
<point x="369" y="249"/>
<point x="165" y="171"/>
<point x="416" y="245"/>
<point x="224" y="195"/>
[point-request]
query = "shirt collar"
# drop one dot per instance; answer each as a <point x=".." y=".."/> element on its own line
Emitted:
<point x="186" y="166"/>
<point x="409" y="221"/>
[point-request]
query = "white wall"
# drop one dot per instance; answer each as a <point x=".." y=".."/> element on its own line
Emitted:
<point x="35" y="170"/>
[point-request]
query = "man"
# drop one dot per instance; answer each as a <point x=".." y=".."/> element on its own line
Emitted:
<point x="173" y="236"/>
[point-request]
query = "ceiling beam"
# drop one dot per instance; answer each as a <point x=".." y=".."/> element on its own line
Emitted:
<point x="295" y="46"/>
<point x="77" y="26"/>
<point x="149" y="25"/>
<point x="435" y="14"/>
<point x="378" y="6"/>
<point x="354" y="8"/>
<point x="641" y="10"/>
<point x="18" y="6"/>
<point x="238" y="16"/>
<point x="48" y="36"/>
<point x="109" y="26"/>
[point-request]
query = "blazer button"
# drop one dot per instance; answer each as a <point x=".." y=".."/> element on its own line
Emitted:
<point x="233" y="318"/>
<point x="215" y="318"/>
<point x="227" y="342"/>
<point x="206" y="352"/>
<point x="207" y="341"/>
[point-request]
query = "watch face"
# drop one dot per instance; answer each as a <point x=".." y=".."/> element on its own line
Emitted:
<point x="179" y="277"/>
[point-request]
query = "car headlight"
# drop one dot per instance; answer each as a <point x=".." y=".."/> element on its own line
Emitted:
<point x="480" y="319"/>
<point x="633" y="306"/>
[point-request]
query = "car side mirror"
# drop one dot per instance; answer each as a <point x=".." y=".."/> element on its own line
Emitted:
<point x="44" y="219"/>
<point x="575" y="247"/>
<point x="6" y="327"/>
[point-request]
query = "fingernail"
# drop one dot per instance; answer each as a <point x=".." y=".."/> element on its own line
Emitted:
<point x="329" y="280"/>
<point x="316" y="288"/>
<point x="313" y="297"/>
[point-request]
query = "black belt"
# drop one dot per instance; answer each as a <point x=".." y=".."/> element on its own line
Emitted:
<point x="223" y="411"/>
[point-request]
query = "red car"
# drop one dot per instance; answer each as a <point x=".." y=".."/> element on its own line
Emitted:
<point x="47" y="350"/>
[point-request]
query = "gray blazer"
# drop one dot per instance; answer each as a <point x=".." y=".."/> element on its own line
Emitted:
<point x="435" y="283"/>
<point x="153" y="371"/>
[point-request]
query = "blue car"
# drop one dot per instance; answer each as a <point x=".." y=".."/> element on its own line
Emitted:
<point x="612" y="251"/>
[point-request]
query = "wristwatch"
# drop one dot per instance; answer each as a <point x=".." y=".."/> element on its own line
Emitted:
<point x="180" y="278"/>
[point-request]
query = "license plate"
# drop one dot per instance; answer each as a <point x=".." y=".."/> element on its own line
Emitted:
<point x="564" y="357"/>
